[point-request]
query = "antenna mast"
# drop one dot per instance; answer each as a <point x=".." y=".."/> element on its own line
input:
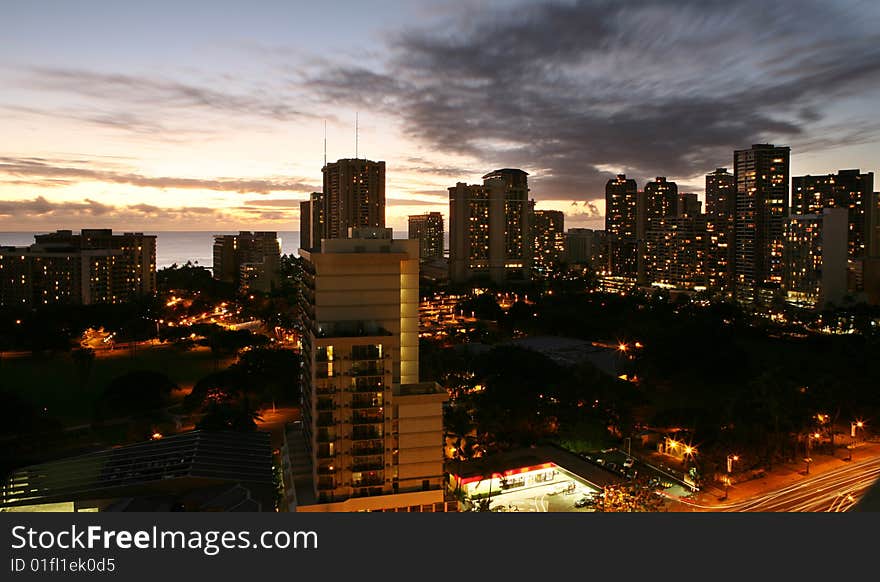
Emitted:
<point x="325" y="143"/>
<point x="356" y="135"/>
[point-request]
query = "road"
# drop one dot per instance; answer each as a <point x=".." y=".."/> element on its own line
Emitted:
<point x="837" y="490"/>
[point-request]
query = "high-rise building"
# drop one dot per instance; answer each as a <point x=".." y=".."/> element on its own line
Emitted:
<point x="815" y="258"/>
<point x="762" y="174"/>
<point x="719" y="253"/>
<point x="427" y="228"/>
<point x="548" y="232"/>
<point x="622" y="202"/>
<point x="247" y="260"/>
<point x="489" y="230"/>
<point x="311" y="221"/>
<point x="585" y="246"/>
<point x="676" y="252"/>
<point x="848" y="189"/>
<point x="661" y="201"/>
<point x="720" y="194"/>
<point x="354" y="197"/>
<point x="93" y="266"/>
<point x="372" y="435"/>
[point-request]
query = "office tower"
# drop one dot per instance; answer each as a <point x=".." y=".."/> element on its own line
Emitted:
<point x="762" y="174"/>
<point x="247" y="260"/>
<point x="489" y="231"/>
<point x="548" y="229"/>
<point x="661" y="201"/>
<point x="93" y="266"/>
<point x="354" y="197"/>
<point x="688" y="205"/>
<point x="622" y="212"/>
<point x="676" y="252"/>
<point x="311" y="221"/>
<point x="848" y="189"/>
<point x="815" y="258"/>
<point x="372" y="435"/>
<point x="720" y="194"/>
<point x="427" y="228"/>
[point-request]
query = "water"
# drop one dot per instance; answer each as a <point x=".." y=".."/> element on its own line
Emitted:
<point x="173" y="246"/>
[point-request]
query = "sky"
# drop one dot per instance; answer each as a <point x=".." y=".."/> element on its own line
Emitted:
<point x="210" y="115"/>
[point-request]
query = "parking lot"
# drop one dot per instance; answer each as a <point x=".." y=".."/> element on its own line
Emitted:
<point x="559" y="495"/>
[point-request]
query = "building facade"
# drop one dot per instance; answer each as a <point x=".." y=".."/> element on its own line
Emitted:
<point x="549" y="236"/>
<point x="762" y="174"/>
<point x="815" y="258"/>
<point x="489" y="229"/>
<point x="372" y="435"/>
<point x="427" y="228"/>
<point x="67" y="268"/>
<point x="248" y="260"/>
<point x="720" y="194"/>
<point x="354" y="197"/>
<point x="622" y="212"/>
<point x="661" y="201"/>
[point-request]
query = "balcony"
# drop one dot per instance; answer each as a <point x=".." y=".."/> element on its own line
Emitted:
<point x="368" y="481"/>
<point x="325" y="404"/>
<point x="362" y="403"/>
<point x="368" y="466"/>
<point x="325" y="420"/>
<point x="369" y="448"/>
<point x="325" y="436"/>
<point x="368" y="418"/>
<point x="368" y="384"/>
<point x="363" y="433"/>
<point x="325" y="484"/>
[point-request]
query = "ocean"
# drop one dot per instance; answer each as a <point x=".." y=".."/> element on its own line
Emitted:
<point x="178" y="246"/>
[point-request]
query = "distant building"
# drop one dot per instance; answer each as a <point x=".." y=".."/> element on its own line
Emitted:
<point x="354" y="197"/>
<point x="311" y="221"/>
<point x="719" y="254"/>
<point x="247" y="260"/>
<point x="689" y="205"/>
<point x="427" y="228"/>
<point x="371" y="437"/>
<point x="815" y="258"/>
<point x="489" y="230"/>
<point x="849" y="189"/>
<point x="661" y="201"/>
<point x="720" y="194"/>
<point x="67" y="268"/>
<point x="585" y="246"/>
<point x="622" y="212"/>
<point x="549" y="236"/>
<point x="762" y="174"/>
<point x="676" y="253"/>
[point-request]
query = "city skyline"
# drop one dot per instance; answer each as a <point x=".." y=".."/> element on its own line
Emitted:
<point x="221" y="125"/>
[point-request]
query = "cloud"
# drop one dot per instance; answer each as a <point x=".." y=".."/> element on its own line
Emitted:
<point x="652" y="87"/>
<point x="41" y="169"/>
<point x="157" y="92"/>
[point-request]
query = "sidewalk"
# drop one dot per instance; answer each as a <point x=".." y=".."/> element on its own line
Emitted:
<point x="785" y="474"/>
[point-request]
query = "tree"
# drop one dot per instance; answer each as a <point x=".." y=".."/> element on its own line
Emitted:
<point x="137" y="393"/>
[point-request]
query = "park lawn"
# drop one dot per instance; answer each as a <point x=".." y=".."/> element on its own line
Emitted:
<point x="69" y="393"/>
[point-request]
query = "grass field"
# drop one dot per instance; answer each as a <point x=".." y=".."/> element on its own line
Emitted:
<point x="69" y="391"/>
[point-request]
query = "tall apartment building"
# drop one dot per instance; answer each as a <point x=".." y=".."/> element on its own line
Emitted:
<point x="489" y="230"/>
<point x="354" y="197"/>
<point x="849" y="189"/>
<point x="689" y="206"/>
<point x="762" y="174"/>
<point x="248" y="260"/>
<point x="548" y="232"/>
<point x="720" y="194"/>
<point x="92" y="266"/>
<point x="372" y="435"/>
<point x="677" y="252"/>
<point x="623" y="207"/>
<point x="815" y="258"/>
<point x="427" y="228"/>
<point x="661" y="201"/>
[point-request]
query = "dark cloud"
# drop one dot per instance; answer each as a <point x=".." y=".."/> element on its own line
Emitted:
<point x="576" y="91"/>
<point x="41" y="169"/>
<point x="40" y="207"/>
<point x="277" y="203"/>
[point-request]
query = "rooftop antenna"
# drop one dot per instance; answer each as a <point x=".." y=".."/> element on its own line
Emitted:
<point x="356" y="135"/>
<point x="325" y="143"/>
